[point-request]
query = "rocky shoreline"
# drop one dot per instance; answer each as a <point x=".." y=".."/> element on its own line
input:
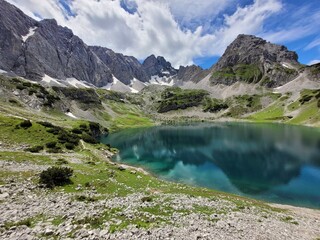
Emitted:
<point x="30" y="212"/>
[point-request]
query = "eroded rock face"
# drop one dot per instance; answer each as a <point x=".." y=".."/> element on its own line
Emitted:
<point x="191" y="73"/>
<point x="124" y="68"/>
<point x="55" y="51"/>
<point x="158" y="66"/>
<point x="313" y="72"/>
<point x="33" y="49"/>
<point x="252" y="60"/>
<point x="13" y="24"/>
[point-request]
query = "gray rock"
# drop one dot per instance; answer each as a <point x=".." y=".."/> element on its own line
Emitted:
<point x="191" y="73"/>
<point x="158" y="66"/>
<point x="55" y="51"/>
<point x="250" y="55"/>
<point x="3" y="196"/>
<point x="48" y="232"/>
<point x="124" y="68"/>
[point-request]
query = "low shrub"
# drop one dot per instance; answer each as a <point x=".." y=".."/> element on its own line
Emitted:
<point x="88" y="139"/>
<point x="61" y="161"/>
<point x="146" y="199"/>
<point x="65" y="137"/>
<point x="305" y="99"/>
<point x="46" y="124"/>
<point x="83" y="198"/>
<point x="26" y="84"/>
<point x="20" y="87"/>
<point x="34" y="149"/>
<point x="56" y="176"/>
<point x="26" y="124"/>
<point x="40" y="95"/>
<point x="94" y="222"/>
<point x="32" y="91"/>
<point x="175" y="98"/>
<point x="56" y="149"/>
<point x="83" y="126"/>
<point x="51" y="144"/>
<point x="26" y="222"/>
<point x="54" y="130"/>
<point x="76" y="131"/>
<point x="70" y="146"/>
<point x="214" y="105"/>
<point x="13" y="101"/>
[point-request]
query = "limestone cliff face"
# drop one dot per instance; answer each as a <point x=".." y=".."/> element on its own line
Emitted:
<point x="158" y="66"/>
<point x="191" y="73"/>
<point x="252" y="60"/>
<point x="32" y="49"/>
<point x="13" y="24"/>
<point x="124" y="68"/>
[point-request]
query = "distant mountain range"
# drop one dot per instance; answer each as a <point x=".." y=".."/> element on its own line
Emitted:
<point x="44" y="51"/>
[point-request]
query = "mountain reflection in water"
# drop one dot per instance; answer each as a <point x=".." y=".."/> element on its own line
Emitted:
<point x="279" y="163"/>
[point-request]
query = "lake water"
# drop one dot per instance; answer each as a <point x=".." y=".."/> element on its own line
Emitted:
<point x="273" y="162"/>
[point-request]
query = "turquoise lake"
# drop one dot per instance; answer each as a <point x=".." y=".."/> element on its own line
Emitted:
<point x="272" y="162"/>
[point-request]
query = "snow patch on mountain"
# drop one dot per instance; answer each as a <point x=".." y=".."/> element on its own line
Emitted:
<point x="47" y="80"/>
<point x="287" y="65"/>
<point x="137" y="85"/>
<point x="30" y="33"/>
<point x="119" y="86"/>
<point x="70" y="114"/>
<point x="164" y="81"/>
<point x="76" y="83"/>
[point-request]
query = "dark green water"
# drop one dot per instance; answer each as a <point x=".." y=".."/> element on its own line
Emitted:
<point x="272" y="162"/>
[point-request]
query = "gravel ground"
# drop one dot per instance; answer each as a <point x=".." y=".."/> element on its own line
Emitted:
<point x="22" y="200"/>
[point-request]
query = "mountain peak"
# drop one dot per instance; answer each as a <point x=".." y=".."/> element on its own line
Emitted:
<point x="252" y="59"/>
<point x="158" y="66"/>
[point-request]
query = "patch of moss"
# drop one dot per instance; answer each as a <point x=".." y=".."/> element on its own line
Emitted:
<point x="176" y="98"/>
<point x="214" y="105"/>
<point x="248" y="73"/>
<point x="26" y="222"/>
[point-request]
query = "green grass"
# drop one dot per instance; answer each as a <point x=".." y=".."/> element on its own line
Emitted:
<point x="17" y="156"/>
<point x="92" y="171"/>
<point x="127" y="116"/>
<point x="13" y="134"/>
<point x="289" y="219"/>
<point x="271" y="113"/>
<point x="26" y="222"/>
<point x="175" y="98"/>
<point x="57" y="220"/>
<point x="310" y="113"/>
<point x="130" y="121"/>
<point x="107" y="179"/>
<point x="242" y="72"/>
<point x="294" y="106"/>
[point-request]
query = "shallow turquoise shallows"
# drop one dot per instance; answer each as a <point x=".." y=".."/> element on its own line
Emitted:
<point x="273" y="162"/>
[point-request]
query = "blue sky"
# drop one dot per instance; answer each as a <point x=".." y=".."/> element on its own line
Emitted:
<point x="185" y="31"/>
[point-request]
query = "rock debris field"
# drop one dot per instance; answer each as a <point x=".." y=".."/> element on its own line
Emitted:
<point x="31" y="212"/>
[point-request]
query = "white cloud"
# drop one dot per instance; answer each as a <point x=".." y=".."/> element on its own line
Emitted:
<point x="192" y="14"/>
<point x="314" y="62"/>
<point x="247" y="20"/>
<point x="297" y="25"/>
<point x="154" y="27"/>
<point x="313" y="44"/>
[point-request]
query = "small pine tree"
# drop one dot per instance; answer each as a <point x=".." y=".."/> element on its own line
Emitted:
<point x="56" y="176"/>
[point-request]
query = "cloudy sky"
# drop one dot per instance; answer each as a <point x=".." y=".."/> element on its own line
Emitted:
<point x="185" y="31"/>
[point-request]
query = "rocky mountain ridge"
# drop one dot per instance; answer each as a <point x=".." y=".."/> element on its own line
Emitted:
<point x="45" y="51"/>
<point x="34" y="49"/>
<point x="252" y="59"/>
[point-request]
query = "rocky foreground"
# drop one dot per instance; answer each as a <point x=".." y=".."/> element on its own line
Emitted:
<point x="31" y="212"/>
